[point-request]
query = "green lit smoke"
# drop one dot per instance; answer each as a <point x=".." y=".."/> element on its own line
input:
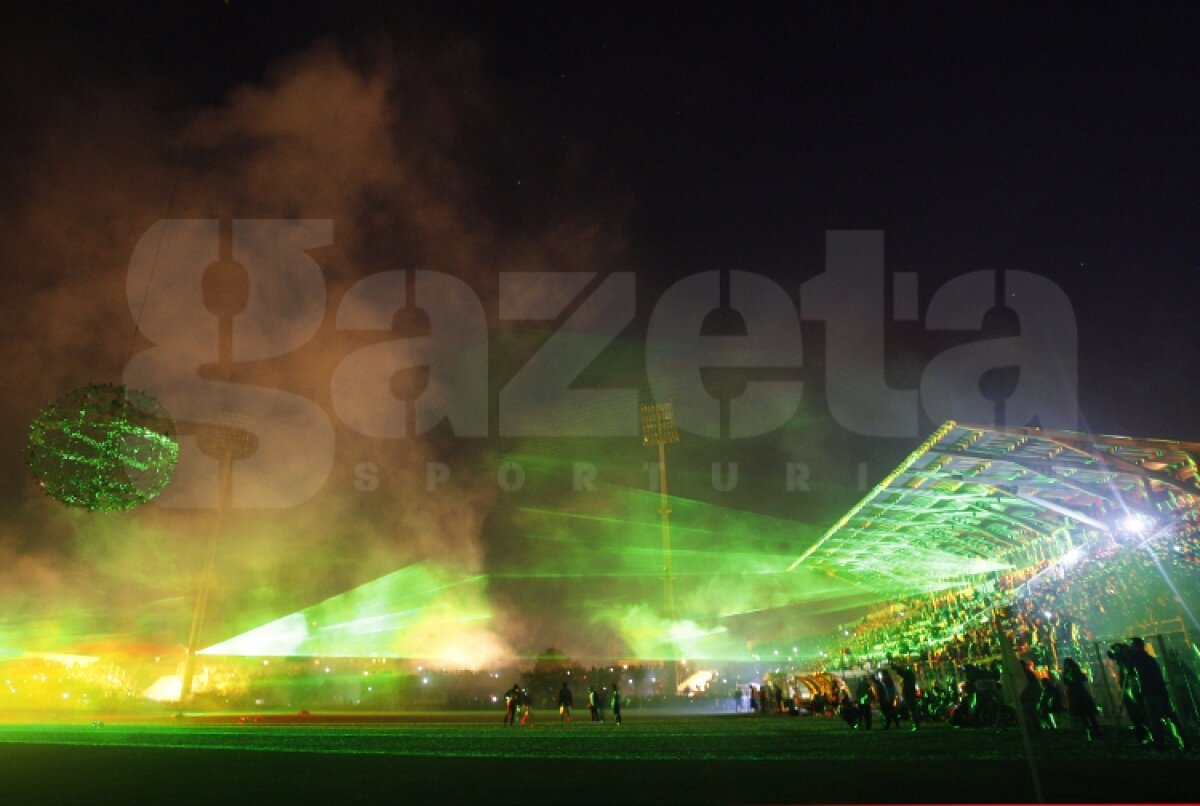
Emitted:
<point x="419" y="611"/>
<point x="599" y="556"/>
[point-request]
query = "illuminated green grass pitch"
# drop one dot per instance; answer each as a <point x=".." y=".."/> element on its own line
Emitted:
<point x="649" y="759"/>
<point x="479" y="735"/>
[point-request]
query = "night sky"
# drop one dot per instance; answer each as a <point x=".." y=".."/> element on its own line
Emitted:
<point x="1058" y="141"/>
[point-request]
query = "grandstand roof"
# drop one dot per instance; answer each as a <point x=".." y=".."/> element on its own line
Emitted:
<point x="974" y="500"/>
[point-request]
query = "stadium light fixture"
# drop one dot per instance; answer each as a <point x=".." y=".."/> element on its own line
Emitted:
<point x="1135" y="523"/>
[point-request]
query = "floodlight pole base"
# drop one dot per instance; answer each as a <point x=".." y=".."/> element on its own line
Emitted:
<point x="198" y="611"/>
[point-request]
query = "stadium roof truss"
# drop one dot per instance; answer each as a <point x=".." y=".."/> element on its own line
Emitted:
<point x="973" y="501"/>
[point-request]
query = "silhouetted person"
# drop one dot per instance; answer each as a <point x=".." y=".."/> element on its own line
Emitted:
<point x="1050" y="703"/>
<point x="1029" y="697"/>
<point x="526" y="707"/>
<point x="565" y="701"/>
<point x="616" y="704"/>
<point x="984" y="692"/>
<point x="1155" y="697"/>
<point x="847" y="710"/>
<point x="908" y="688"/>
<point x="512" y="698"/>
<point x="1131" y="698"/>
<point x="862" y="693"/>
<point x="1080" y="702"/>
<point x="594" y="705"/>
<point x="885" y="688"/>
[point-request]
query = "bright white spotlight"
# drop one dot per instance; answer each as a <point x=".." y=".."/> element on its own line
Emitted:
<point x="1136" y="524"/>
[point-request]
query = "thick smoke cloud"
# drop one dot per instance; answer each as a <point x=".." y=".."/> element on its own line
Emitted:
<point x="390" y="146"/>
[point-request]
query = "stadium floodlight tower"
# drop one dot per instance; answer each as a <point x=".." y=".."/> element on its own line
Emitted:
<point x="227" y="440"/>
<point x="658" y="428"/>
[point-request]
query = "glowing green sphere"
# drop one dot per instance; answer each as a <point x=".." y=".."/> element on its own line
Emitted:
<point x="103" y="447"/>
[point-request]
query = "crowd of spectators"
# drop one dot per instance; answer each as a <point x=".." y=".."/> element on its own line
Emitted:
<point x="1056" y="609"/>
<point x="1063" y="618"/>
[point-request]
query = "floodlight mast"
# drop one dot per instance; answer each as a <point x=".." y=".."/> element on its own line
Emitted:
<point x="659" y="429"/>
<point x="230" y="441"/>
